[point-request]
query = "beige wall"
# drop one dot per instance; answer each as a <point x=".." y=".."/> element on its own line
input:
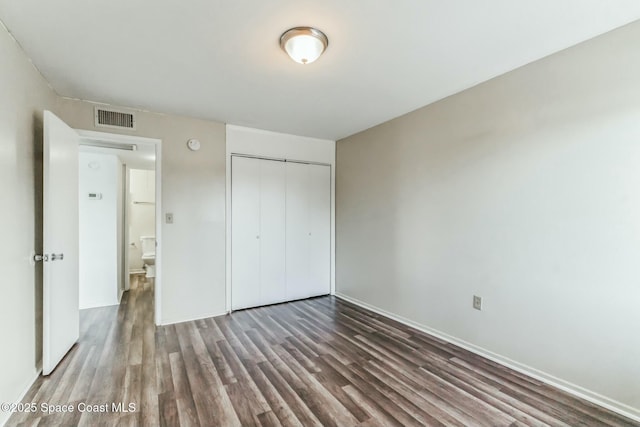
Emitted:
<point x="24" y="94"/>
<point x="524" y="190"/>
<point x="193" y="189"/>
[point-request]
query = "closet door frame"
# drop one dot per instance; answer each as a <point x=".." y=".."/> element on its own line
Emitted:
<point x="230" y="156"/>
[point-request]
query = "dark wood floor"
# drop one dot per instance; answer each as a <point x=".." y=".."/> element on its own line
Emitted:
<point x="309" y="363"/>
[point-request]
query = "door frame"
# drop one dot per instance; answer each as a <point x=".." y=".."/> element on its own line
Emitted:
<point x="125" y="230"/>
<point x="127" y="140"/>
<point x="244" y="141"/>
<point x="229" y="236"/>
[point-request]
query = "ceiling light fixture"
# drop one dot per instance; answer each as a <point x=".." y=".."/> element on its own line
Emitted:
<point x="304" y="44"/>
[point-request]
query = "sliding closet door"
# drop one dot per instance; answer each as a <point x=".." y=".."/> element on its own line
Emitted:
<point x="308" y="230"/>
<point x="297" y="231"/>
<point x="319" y="199"/>
<point x="272" y="232"/>
<point x="245" y="229"/>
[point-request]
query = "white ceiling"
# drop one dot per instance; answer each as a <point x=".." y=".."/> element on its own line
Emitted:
<point x="221" y="60"/>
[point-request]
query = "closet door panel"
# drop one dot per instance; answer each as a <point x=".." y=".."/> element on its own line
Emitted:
<point x="272" y="232"/>
<point x="245" y="229"/>
<point x="297" y="231"/>
<point x="319" y="205"/>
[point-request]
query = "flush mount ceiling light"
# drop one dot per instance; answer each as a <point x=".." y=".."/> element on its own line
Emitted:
<point x="304" y="44"/>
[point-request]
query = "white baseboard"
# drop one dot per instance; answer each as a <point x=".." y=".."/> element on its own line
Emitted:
<point x="593" y="397"/>
<point x="4" y="416"/>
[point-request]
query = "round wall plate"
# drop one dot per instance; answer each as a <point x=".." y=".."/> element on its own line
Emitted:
<point x="193" y="144"/>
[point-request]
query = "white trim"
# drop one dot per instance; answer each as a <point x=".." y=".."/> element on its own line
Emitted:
<point x="576" y="390"/>
<point x="158" y="275"/>
<point x="125" y="222"/>
<point x="277" y="146"/>
<point x="332" y="243"/>
<point x="227" y="279"/>
<point x="117" y="138"/>
<point x="279" y="159"/>
<point x="131" y="139"/>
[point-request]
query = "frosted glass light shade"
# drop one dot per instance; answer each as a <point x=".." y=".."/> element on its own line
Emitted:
<point x="304" y="44"/>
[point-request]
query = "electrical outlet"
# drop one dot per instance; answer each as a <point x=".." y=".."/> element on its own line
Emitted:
<point x="477" y="302"/>
<point x="168" y="218"/>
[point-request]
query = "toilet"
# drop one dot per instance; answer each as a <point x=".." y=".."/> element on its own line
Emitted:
<point x="148" y="244"/>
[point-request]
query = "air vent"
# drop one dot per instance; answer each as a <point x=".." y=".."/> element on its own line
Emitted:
<point x="113" y="118"/>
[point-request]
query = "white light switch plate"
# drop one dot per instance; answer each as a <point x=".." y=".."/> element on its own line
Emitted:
<point x="477" y="302"/>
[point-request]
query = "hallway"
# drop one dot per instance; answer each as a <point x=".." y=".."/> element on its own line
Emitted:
<point x="104" y="366"/>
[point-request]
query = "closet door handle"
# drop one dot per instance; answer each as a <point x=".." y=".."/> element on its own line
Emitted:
<point x="56" y="257"/>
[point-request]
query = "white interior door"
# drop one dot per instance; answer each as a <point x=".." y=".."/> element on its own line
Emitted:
<point x="245" y="231"/>
<point x="60" y="269"/>
<point x="272" y="232"/>
<point x="319" y="200"/>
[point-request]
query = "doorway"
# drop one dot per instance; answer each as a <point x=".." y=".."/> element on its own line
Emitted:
<point x="140" y="226"/>
<point x="61" y="228"/>
<point x="120" y="209"/>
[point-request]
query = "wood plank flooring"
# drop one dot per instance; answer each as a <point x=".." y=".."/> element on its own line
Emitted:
<point x="317" y="362"/>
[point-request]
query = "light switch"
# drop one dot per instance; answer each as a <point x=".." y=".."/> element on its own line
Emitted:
<point x="477" y="302"/>
<point x="168" y="218"/>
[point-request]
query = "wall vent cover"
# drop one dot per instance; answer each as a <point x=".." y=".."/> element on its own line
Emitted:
<point x="115" y="118"/>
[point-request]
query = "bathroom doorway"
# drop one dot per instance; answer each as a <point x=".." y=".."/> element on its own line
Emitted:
<point x="119" y="218"/>
<point x="141" y="204"/>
